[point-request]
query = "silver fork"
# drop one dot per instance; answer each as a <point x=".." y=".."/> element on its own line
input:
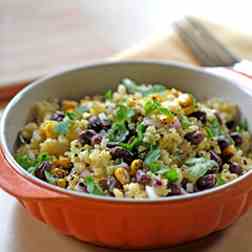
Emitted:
<point x="207" y="49"/>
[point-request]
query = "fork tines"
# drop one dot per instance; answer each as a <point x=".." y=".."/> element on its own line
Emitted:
<point x="205" y="47"/>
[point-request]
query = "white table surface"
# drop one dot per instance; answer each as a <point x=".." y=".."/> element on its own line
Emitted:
<point x="18" y="231"/>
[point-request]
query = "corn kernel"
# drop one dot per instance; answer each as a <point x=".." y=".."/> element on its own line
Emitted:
<point x="69" y="105"/>
<point x="229" y="151"/>
<point x="135" y="165"/>
<point x="58" y="172"/>
<point x="185" y="100"/>
<point x="97" y="108"/>
<point x="47" y="129"/>
<point x="188" y="110"/>
<point x="166" y="120"/>
<point x="61" y="183"/>
<point x="122" y="175"/>
<point x="132" y="102"/>
<point x="62" y="163"/>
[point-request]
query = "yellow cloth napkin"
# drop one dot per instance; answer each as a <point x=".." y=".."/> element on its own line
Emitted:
<point x="171" y="47"/>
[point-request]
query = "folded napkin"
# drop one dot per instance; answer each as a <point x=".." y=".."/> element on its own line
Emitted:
<point x="172" y="48"/>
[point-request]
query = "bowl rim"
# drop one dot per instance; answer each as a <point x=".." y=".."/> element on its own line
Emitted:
<point x="70" y="69"/>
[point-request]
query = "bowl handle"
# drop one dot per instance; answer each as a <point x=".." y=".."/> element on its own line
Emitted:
<point x="15" y="184"/>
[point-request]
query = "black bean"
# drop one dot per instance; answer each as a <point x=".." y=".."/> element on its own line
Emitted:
<point x="235" y="168"/>
<point x="103" y="184"/>
<point x="95" y="123"/>
<point x="112" y="145"/>
<point x="106" y="124"/>
<point x="215" y="157"/>
<point x="86" y="136"/>
<point x="237" y="138"/>
<point x="206" y="182"/>
<point x="83" y="187"/>
<point x="195" y="137"/>
<point x="57" y="116"/>
<point x="175" y="189"/>
<point x="119" y="152"/>
<point x="40" y="172"/>
<point x="231" y="124"/>
<point x="96" y="139"/>
<point x="98" y="124"/>
<point x="184" y="183"/>
<point x="142" y="177"/>
<point x="200" y="115"/>
<point x="223" y="143"/>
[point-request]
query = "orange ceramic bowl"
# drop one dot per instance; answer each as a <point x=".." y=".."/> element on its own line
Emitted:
<point x="123" y="223"/>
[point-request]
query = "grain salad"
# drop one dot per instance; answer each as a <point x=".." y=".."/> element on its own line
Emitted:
<point x="140" y="141"/>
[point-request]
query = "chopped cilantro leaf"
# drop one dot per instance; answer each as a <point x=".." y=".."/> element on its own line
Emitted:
<point x="108" y="95"/>
<point x="31" y="164"/>
<point x="220" y="181"/>
<point x="172" y="175"/>
<point x="198" y="167"/>
<point x="118" y="132"/>
<point x="132" y="87"/>
<point x="137" y="140"/>
<point x="214" y="129"/>
<point x="185" y="122"/>
<point x="152" y="156"/>
<point x="151" y="106"/>
<point x="242" y="126"/>
<point x="123" y="113"/>
<point x="92" y="187"/>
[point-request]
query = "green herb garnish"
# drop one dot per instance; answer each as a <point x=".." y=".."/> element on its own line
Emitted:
<point x="220" y="181"/>
<point x="31" y="164"/>
<point x="214" y="129"/>
<point x="92" y="187"/>
<point x="123" y="113"/>
<point x="25" y="161"/>
<point x="151" y="106"/>
<point x="198" y="167"/>
<point x="172" y="175"/>
<point x="242" y="126"/>
<point x="132" y="87"/>
<point x="185" y="122"/>
<point x="152" y="156"/>
<point x="137" y="140"/>
<point x="50" y="178"/>
<point x="108" y="95"/>
<point x="74" y="115"/>
<point x="118" y="133"/>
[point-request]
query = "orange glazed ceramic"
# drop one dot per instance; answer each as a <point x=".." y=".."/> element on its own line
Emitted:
<point x="123" y="223"/>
